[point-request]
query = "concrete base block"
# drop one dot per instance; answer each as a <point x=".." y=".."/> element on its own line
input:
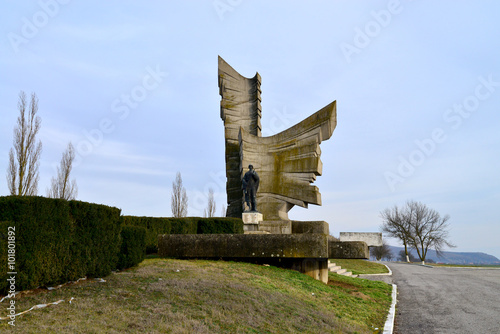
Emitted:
<point x="276" y="226"/>
<point x="247" y="228"/>
<point x="348" y="250"/>
<point x="252" y="217"/>
<point x="251" y="221"/>
<point x="310" y="227"/>
<point x="371" y="238"/>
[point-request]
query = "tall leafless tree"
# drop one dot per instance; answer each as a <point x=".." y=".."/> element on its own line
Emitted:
<point x="22" y="173"/>
<point x="179" y="202"/>
<point x="210" y="210"/>
<point x="429" y="230"/>
<point x="397" y="224"/>
<point x="62" y="187"/>
<point x="418" y="227"/>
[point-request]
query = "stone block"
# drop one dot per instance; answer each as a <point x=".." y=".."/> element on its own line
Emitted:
<point x="252" y="217"/>
<point x="348" y="250"/>
<point x="370" y="238"/>
<point x="320" y="227"/>
<point x="276" y="226"/>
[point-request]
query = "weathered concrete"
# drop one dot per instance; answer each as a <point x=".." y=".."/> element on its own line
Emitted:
<point x="251" y="217"/>
<point x="287" y="163"/>
<point x="370" y="238"/>
<point x="243" y="245"/>
<point x="276" y="226"/>
<point x="348" y="250"/>
<point x="310" y="227"/>
<point x="251" y="221"/>
<point x="306" y="253"/>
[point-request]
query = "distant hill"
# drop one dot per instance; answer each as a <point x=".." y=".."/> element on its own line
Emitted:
<point x="453" y="257"/>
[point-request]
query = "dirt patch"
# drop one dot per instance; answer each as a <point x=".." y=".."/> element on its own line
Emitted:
<point x="342" y="285"/>
<point x="361" y="295"/>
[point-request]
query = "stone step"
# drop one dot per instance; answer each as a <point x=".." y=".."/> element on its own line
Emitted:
<point x="332" y="267"/>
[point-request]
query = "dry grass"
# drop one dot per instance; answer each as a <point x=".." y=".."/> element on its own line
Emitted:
<point x="179" y="296"/>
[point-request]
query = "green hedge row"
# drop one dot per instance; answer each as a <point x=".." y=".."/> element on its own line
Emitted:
<point x="56" y="241"/>
<point x="133" y="246"/>
<point x="187" y="225"/>
<point x="51" y="241"/>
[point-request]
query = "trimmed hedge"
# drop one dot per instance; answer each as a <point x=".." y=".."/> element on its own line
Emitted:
<point x="43" y="240"/>
<point x="56" y="240"/>
<point x="133" y="246"/>
<point x="97" y="239"/>
<point x="187" y="225"/>
<point x="220" y="226"/>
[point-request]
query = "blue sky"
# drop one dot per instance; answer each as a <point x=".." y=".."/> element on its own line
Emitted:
<point x="133" y="85"/>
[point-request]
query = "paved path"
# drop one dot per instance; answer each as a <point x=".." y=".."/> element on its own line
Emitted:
<point x="446" y="300"/>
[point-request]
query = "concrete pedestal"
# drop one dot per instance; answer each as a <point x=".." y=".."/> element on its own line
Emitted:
<point x="251" y="221"/>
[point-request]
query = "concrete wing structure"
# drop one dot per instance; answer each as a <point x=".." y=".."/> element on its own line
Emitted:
<point x="239" y="108"/>
<point x="287" y="162"/>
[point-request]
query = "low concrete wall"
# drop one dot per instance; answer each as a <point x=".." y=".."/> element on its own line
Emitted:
<point x="243" y="245"/>
<point x="371" y="239"/>
<point x="348" y="250"/>
<point x="320" y="227"/>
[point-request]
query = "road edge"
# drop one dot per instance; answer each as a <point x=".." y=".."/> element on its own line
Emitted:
<point x="389" y="323"/>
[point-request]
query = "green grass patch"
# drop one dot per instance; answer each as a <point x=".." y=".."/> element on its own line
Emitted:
<point x="358" y="267"/>
<point x="195" y="296"/>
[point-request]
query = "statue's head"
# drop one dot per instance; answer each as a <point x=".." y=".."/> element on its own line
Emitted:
<point x="250" y="167"/>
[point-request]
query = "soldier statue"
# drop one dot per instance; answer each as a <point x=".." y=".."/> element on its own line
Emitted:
<point x="250" y="185"/>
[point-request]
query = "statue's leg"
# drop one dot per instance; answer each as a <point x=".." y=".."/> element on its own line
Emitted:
<point x="254" y="202"/>
<point x="247" y="199"/>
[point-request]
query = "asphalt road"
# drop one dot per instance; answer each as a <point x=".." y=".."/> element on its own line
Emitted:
<point x="446" y="300"/>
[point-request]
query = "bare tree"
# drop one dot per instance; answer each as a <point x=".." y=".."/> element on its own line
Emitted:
<point x="62" y="187"/>
<point x="210" y="210"/>
<point x="417" y="227"/>
<point x="380" y="252"/>
<point x="22" y="173"/>
<point x="179" y="202"/>
<point x="397" y="224"/>
<point x="223" y="211"/>
<point x="429" y="229"/>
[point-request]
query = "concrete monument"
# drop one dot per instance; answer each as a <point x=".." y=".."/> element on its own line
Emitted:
<point x="288" y="162"/>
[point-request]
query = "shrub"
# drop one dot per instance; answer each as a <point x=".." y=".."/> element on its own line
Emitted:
<point x="43" y="239"/>
<point x="57" y="240"/>
<point x="220" y="225"/>
<point x="133" y="246"/>
<point x="96" y="241"/>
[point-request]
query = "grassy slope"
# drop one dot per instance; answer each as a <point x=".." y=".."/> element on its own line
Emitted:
<point x="361" y="266"/>
<point x="176" y="296"/>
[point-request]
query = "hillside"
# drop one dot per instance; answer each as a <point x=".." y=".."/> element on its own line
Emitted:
<point x="454" y="257"/>
<point x="195" y="296"/>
